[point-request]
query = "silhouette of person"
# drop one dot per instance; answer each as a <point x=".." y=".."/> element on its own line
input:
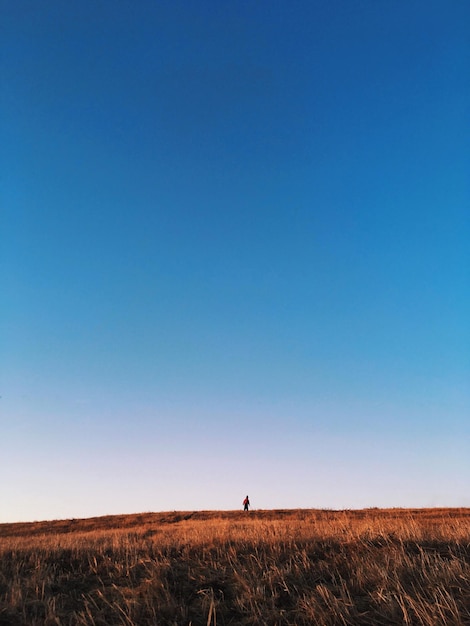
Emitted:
<point x="246" y="503"/>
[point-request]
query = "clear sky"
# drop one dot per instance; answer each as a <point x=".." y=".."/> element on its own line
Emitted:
<point x="235" y="255"/>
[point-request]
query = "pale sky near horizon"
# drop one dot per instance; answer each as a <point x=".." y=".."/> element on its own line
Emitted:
<point x="234" y="255"/>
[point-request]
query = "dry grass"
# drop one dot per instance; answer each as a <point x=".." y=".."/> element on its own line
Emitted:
<point x="213" y="568"/>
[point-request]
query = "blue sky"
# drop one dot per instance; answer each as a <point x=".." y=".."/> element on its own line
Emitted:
<point x="234" y="256"/>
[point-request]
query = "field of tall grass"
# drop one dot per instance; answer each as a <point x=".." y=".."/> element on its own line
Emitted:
<point x="314" y="567"/>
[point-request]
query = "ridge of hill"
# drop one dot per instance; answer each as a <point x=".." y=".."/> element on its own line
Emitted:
<point x="139" y="520"/>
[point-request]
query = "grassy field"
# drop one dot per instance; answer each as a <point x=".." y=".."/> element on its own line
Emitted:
<point x="205" y="568"/>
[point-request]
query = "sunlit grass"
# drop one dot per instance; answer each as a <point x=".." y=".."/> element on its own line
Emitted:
<point x="266" y="567"/>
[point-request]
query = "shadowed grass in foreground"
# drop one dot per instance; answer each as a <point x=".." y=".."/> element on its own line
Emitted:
<point x="267" y="567"/>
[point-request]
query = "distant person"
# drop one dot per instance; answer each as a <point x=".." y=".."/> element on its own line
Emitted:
<point x="246" y="503"/>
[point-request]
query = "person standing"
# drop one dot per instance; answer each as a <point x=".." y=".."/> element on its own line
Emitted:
<point x="246" y="503"/>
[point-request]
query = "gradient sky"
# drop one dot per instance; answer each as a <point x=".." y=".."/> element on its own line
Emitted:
<point x="235" y="255"/>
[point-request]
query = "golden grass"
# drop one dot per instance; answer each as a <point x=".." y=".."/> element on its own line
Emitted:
<point x="206" y="568"/>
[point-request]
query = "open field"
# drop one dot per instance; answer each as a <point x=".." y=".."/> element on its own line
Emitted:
<point x="302" y="567"/>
